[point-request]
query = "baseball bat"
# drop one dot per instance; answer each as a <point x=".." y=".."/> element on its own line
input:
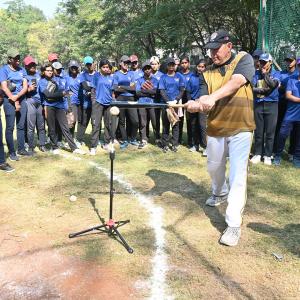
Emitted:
<point x="132" y="104"/>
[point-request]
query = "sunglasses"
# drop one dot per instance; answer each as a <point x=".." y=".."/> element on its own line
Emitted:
<point x="134" y="62"/>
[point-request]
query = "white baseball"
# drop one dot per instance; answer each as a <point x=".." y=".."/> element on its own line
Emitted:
<point x="114" y="111"/>
<point x="73" y="198"/>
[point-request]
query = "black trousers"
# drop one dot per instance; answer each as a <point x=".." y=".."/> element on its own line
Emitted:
<point x="166" y="139"/>
<point x="146" y="114"/>
<point x="57" y="115"/>
<point x="83" y="118"/>
<point x="100" y="111"/>
<point x="157" y="112"/>
<point x="265" y="114"/>
<point x="196" y="129"/>
<point x="131" y="115"/>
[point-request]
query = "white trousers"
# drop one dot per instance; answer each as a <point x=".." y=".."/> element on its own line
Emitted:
<point x="237" y="147"/>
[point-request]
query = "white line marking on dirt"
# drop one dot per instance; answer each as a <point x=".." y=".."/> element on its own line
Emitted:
<point x="159" y="261"/>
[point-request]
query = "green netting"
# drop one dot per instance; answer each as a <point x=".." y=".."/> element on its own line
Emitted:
<point x="279" y="28"/>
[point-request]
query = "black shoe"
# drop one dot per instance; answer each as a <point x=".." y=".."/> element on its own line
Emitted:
<point x="6" y="168"/>
<point x="165" y="149"/>
<point x="24" y="153"/>
<point x="174" y="148"/>
<point x="31" y="152"/>
<point x="13" y="157"/>
<point x="43" y="149"/>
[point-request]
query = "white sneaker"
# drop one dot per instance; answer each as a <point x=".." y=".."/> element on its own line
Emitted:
<point x="93" y="151"/>
<point x="267" y="160"/>
<point x="216" y="200"/>
<point x="56" y="151"/>
<point x="256" y="159"/>
<point x="231" y="236"/>
<point x="204" y="153"/>
<point x="79" y="151"/>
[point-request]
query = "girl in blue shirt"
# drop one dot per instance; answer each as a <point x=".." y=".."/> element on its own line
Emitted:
<point x="102" y="95"/>
<point x="14" y="85"/>
<point x="52" y="95"/>
<point x="171" y="86"/>
<point x="291" y="119"/>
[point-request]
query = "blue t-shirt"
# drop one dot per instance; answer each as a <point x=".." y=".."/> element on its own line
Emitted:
<point x="171" y="84"/>
<point x="258" y="81"/>
<point x="104" y="88"/>
<point x="137" y="74"/>
<point x="43" y="83"/>
<point x="16" y="77"/>
<point x="187" y="77"/>
<point x="74" y="86"/>
<point x="119" y="78"/>
<point x="196" y="86"/>
<point x="284" y="78"/>
<point x="139" y="84"/>
<point x="158" y="75"/>
<point x="33" y="95"/>
<point x="293" y="108"/>
<point x="84" y="95"/>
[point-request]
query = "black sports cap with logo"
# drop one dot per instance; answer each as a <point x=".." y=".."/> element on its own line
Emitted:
<point x="217" y="39"/>
<point x="290" y="56"/>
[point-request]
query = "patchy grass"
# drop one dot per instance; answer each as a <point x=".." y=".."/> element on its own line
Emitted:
<point x="35" y="201"/>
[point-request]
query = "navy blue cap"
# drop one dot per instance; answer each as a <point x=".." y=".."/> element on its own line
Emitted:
<point x="257" y="52"/>
<point x="217" y="39"/>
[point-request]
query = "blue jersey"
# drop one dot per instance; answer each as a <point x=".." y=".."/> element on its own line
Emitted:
<point x="196" y="86"/>
<point x="293" y="108"/>
<point x="284" y="78"/>
<point x="171" y="84"/>
<point x="139" y="84"/>
<point x="59" y="103"/>
<point x="127" y="79"/>
<point x="258" y="81"/>
<point x="137" y="74"/>
<point x="16" y="77"/>
<point x="84" y="95"/>
<point x="104" y="88"/>
<point x="74" y="86"/>
<point x="187" y="77"/>
<point x="158" y="75"/>
<point x="33" y="95"/>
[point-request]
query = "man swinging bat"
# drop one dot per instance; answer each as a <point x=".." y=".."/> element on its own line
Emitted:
<point x="229" y="102"/>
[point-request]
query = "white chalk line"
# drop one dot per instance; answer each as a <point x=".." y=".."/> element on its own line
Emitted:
<point x="157" y="282"/>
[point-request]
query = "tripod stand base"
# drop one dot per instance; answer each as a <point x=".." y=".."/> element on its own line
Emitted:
<point x="111" y="228"/>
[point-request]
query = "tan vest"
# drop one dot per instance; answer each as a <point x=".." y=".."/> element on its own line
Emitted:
<point x="233" y="114"/>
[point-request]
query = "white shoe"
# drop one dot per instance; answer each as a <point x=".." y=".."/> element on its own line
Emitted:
<point x="204" y="153"/>
<point x="79" y="151"/>
<point x="231" y="236"/>
<point x="93" y="151"/>
<point x="216" y="200"/>
<point x="267" y="160"/>
<point x="56" y="151"/>
<point x="256" y="159"/>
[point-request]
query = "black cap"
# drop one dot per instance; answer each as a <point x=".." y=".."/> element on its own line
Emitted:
<point x="170" y="60"/>
<point x="290" y="56"/>
<point x="257" y="52"/>
<point x="217" y="39"/>
<point x="146" y="64"/>
<point x="73" y="63"/>
<point x="124" y="58"/>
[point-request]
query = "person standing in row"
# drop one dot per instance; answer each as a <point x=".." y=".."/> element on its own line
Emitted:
<point x="171" y="86"/>
<point x="146" y="91"/>
<point x="73" y="82"/>
<point x="85" y="108"/>
<point x="35" y="117"/>
<point x="196" y="122"/>
<point x="124" y="89"/>
<point x="102" y="95"/>
<point x="291" y="120"/>
<point x="4" y="166"/>
<point x="52" y="94"/>
<point x="265" y="82"/>
<point x="14" y="85"/>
